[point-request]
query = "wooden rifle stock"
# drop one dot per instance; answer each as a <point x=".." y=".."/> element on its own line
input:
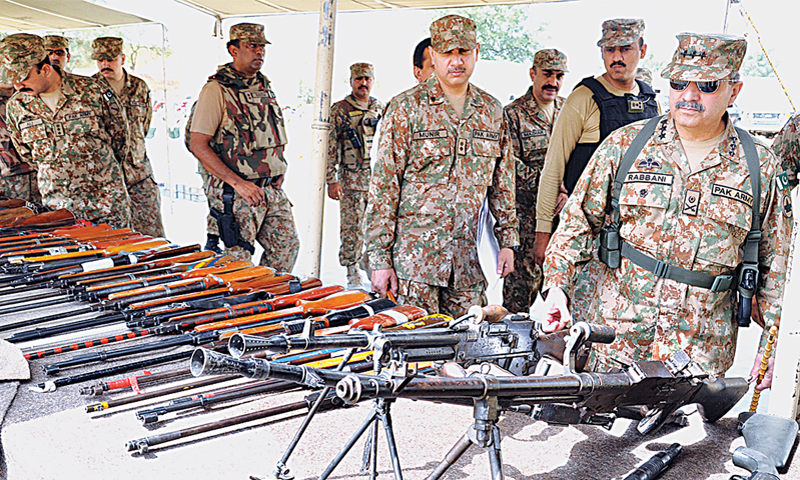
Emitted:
<point x="44" y="220"/>
<point x="286" y="288"/>
<point x="9" y="216"/>
<point x="12" y="203"/>
<point x="177" y="274"/>
<point x="348" y="298"/>
<point x="389" y="318"/>
<point x="189" y="258"/>
<point x="65" y="232"/>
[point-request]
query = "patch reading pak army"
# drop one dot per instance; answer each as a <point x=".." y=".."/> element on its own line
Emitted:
<point x="258" y="97"/>
<point x="484" y="135"/>
<point x="732" y="193"/>
<point x="533" y="133"/>
<point x="691" y="202"/>
<point x="30" y="123"/>
<point x="429" y="134"/>
<point x="78" y="115"/>
<point x="644" y="177"/>
<point x="782" y="181"/>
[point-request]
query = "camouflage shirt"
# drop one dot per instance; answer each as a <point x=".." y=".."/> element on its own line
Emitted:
<point x="10" y="163"/>
<point x="787" y="147"/>
<point x="694" y="220"/>
<point x="431" y="176"/>
<point x="135" y="99"/>
<point x="78" y="150"/>
<point x="251" y="136"/>
<point x="530" y="132"/>
<point x="347" y="164"/>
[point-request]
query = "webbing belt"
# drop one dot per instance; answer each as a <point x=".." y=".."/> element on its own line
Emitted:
<point x="715" y="283"/>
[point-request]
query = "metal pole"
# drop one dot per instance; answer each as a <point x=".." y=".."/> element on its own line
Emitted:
<point x="319" y="133"/>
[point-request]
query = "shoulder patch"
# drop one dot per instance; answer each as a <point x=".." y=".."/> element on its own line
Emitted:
<point x="782" y="181"/>
<point x="429" y="134"/>
<point x="108" y="95"/>
<point x="732" y="193"/>
<point x="484" y="135"/>
<point x="786" y="202"/>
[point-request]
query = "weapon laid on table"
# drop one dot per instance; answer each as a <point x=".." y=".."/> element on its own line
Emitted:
<point x="201" y="337"/>
<point x="72" y="231"/>
<point x="593" y="398"/>
<point x="658" y="464"/>
<point x="135" y="383"/>
<point x="57" y="218"/>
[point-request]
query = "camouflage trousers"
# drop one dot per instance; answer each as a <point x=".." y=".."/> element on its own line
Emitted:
<point x="351" y="212"/>
<point x="583" y="297"/>
<point x="270" y="224"/>
<point x="146" y="208"/>
<point x="446" y="300"/>
<point x="521" y="286"/>
<point x="22" y="187"/>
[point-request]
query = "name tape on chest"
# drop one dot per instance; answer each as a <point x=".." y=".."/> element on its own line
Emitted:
<point x="78" y="115"/>
<point x="356" y="113"/>
<point x="138" y="104"/>
<point x="256" y="97"/>
<point x="732" y="193"/>
<point x="484" y="135"/>
<point x="644" y="177"/>
<point x="429" y="134"/>
<point x="533" y="134"/>
<point x="30" y="123"/>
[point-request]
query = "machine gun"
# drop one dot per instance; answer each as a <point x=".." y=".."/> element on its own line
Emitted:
<point x="656" y="388"/>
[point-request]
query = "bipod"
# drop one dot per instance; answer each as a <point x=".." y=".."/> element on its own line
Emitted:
<point x="281" y="472"/>
<point x="484" y="433"/>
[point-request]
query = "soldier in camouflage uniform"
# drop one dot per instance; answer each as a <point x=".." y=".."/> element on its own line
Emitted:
<point x="134" y="95"/>
<point x="17" y="178"/>
<point x="787" y="146"/>
<point x="530" y="122"/>
<point x="687" y="202"/>
<point x="353" y="122"/>
<point x="444" y="148"/>
<point x="71" y="129"/>
<point x="57" y="50"/>
<point x="238" y="135"/>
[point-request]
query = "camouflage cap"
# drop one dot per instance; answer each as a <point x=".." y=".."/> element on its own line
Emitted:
<point x="621" y="31"/>
<point x="362" y="70"/>
<point x="453" y="31"/>
<point x="645" y="75"/>
<point x="54" y="42"/>
<point x="550" y="59"/>
<point x="19" y="53"/>
<point x="705" y="57"/>
<point x="249" y="33"/>
<point x="106" y="48"/>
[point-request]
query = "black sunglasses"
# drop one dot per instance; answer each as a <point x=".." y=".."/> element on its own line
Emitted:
<point x="705" y="87"/>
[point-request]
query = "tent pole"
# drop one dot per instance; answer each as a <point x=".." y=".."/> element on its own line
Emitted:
<point x="319" y="134"/>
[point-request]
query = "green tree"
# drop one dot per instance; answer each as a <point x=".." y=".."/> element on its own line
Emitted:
<point x="756" y="64"/>
<point x="502" y="31"/>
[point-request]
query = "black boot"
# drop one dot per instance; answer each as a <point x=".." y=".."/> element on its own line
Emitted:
<point x="212" y="244"/>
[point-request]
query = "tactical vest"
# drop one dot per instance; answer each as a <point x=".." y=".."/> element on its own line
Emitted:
<point x="251" y="137"/>
<point x="363" y="122"/>
<point x="615" y="112"/>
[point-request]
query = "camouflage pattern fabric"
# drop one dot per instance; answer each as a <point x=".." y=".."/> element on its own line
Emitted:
<point x="431" y="176"/>
<point x="252" y="136"/>
<point x="78" y="150"/>
<point x="453" y="31"/>
<point x="362" y="70"/>
<point x="19" y="53"/>
<point x="270" y="224"/>
<point x="106" y="48"/>
<point x="17" y="178"/>
<point x="787" y="146"/>
<point x="447" y="301"/>
<point x="529" y="131"/>
<point x="645" y="75"/>
<point x="55" y="42"/>
<point x="550" y="59"/>
<point x="249" y="32"/>
<point x="621" y="31"/>
<point x="351" y="233"/>
<point x="705" y="57"/>
<point x="696" y="221"/>
<point x="146" y="210"/>
<point x="349" y="166"/>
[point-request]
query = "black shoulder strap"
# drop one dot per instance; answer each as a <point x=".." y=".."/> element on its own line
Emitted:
<point x="754" y="167"/>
